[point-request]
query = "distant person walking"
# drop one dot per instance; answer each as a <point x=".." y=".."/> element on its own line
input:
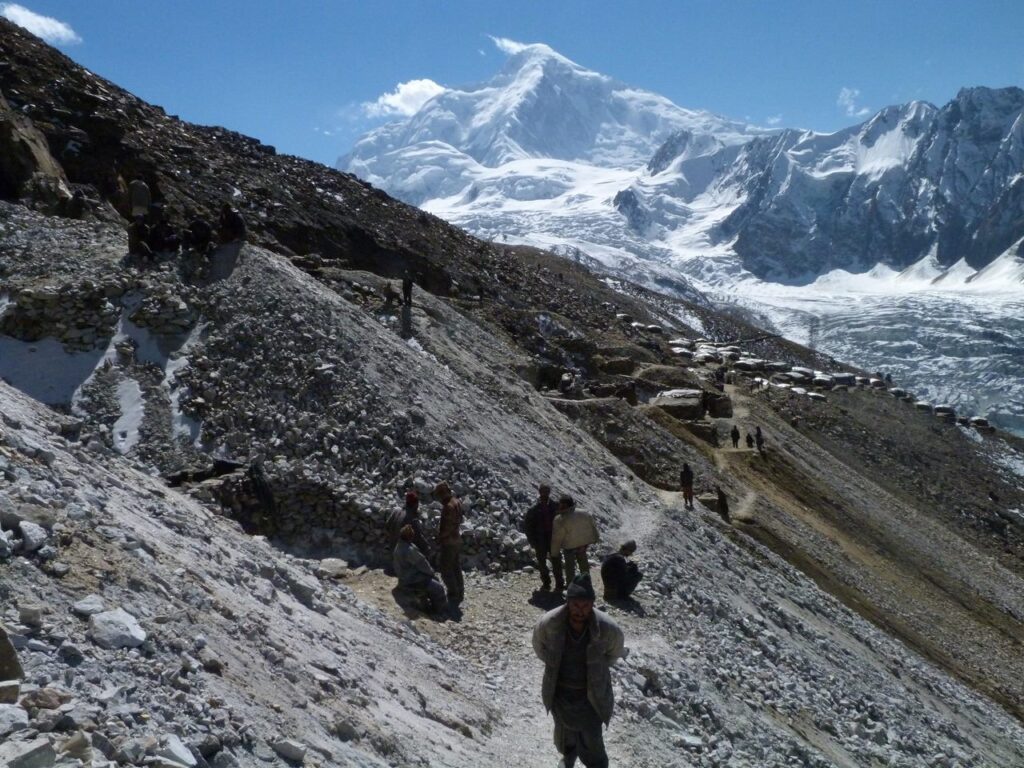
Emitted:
<point x="759" y="441"/>
<point x="414" y="572"/>
<point x="578" y="646"/>
<point x="449" y="540"/>
<point x="572" y="532"/>
<point x="620" y="575"/>
<point x="735" y="435"/>
<point x="686" y="483"/>
<point x="538" y="525"/>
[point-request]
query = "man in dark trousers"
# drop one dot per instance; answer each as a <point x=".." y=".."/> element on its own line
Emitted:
<point x="723" y="504"/>
<point x="578" y="646"/>
<point x="537" y="525"/>
<point x="735" y="435"/>
<point x="407" y="288"/>
<point x="619" y="575"/>
<point x="686" y="483"/>
<point x="449" y="540"/>
<point x="759" y="440"/>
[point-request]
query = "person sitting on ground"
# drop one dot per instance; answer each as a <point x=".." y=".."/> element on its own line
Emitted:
<point x="408" y="515"/>
<point x="686" y="484"/>
<point x="538" y="523"/>
<point x="231" y="226"/>
<point x="619" y="575"/>
<point x="750" y="441"/>
<point x="200" y="235"/>
<point x="571" y="533"/>
<point x="414" y="572"/>
<point x="735" y="435"/>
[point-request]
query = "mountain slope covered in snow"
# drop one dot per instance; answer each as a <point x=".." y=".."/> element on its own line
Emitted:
<point x="917" y="199"/>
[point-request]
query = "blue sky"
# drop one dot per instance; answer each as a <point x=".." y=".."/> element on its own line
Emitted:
<point x="301" y="74"/>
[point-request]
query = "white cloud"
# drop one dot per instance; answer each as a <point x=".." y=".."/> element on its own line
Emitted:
<point x="774" y="120"/>
<point x="405" y="100"/>
<point x="847" y="101"/>
<point x="511" y="47"/>
<point x="51" y="30"/>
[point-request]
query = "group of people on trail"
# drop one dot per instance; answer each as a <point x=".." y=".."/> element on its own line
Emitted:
<point x="756" y="439"/>
<point x="577" y="643"/>
<point x="411" y="554"/>
<point x="150" y="231"/>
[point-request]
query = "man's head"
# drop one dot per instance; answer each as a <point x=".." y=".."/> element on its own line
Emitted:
<point x="565" y="503"/>
<point x="544" y="490"/>
<point x="412" y="501"/>
<point x="580" y="600"/>
<point x="627" y="548"/>
<point x="407" y="533"/>
<point x="442" y="491"/>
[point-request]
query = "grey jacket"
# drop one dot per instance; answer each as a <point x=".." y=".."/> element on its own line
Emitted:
<point x="411" y="566"/>
<point x="571" y="530"/>
<point x="605" y="648"/>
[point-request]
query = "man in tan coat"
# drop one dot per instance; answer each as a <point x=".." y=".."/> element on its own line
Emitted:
<point x="578" y="646"/>
<point x="572" y="532"/>
<point x="449" y="540"/>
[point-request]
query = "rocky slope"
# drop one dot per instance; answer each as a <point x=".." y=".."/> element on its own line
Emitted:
<point x="165" y="614"/>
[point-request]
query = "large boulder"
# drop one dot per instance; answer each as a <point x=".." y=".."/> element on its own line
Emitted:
<point x="116" y="629"/>
<point x="12" y="718"/>
<point x="27" y="169"/>
<point x="683" y="404"/>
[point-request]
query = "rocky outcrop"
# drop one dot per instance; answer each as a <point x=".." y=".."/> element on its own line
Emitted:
<point x="27" y="170"/>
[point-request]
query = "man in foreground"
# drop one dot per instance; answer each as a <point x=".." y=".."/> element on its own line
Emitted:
<point x="578" y="646"/>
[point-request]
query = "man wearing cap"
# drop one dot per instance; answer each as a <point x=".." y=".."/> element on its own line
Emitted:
<point x="449" y="540"/>
<point x="578" y="646"/>
<point x="409" y="515"/>
<point x="571" y="533"/>
<point x="537" y="525"/>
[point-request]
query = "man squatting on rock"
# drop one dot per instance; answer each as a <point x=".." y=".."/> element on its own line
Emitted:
<point x="414" y="572"/>
<point x="449" y="540"/>
<point x="572" y="532"/>
<point x="538" y="523"/>
<point x="578" y="646"/>
<point x="619" y="575"/>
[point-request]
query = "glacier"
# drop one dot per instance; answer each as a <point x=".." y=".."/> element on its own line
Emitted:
<point x="894" y="244"/>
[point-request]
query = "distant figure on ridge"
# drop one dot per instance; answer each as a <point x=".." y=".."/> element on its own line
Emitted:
<point x="619" y="575"/>
<point x="449" y="540"/>
<point x="578" y="646"/>
<point x="750" y="441"/>
<point x="414" y="572"/>
<point x="200" y="235"/>
<point x="572" y="532"/>
<point x="735" y="435"/>
<point x="538" y="524"/>
<point x="759" y="441"/>
<point x="686" y="483"/>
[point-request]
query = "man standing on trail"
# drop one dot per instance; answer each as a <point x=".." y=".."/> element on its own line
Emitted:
<point x="571" y="533"/>
<point x="686" y="483"/>
<point x="723" y="504"/>
<point x="449" y="540"/>
<point x="407" y="288"/>
<point x="735" y="435"/>
<point x="538" y="523"/>
<point x="759" y="440"/>
<point x="139" y="197"/>
<point x="578" y="646"/>
<point x="408" y="515"/>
